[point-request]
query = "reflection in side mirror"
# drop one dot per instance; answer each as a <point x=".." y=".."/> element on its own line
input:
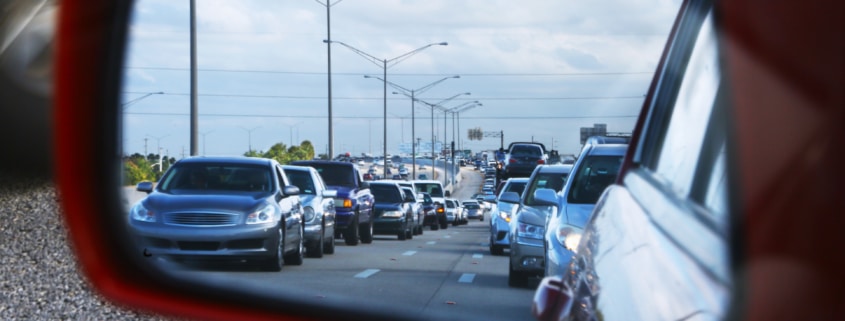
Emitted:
<point x="545" y="196"/>
<point x="146" y="187"/>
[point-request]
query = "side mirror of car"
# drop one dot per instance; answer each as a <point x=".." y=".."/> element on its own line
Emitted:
<point x="146" y="187"/>
<point x="365" y="184"/>
<point x="509" y="197"/>
<point x="330" y="193"/>
<point x="545" y="196"/>
<point x="448" y="194"/>
<point x="290" y="190"/>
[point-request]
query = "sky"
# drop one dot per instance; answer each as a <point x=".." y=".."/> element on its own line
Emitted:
<point x="541" y="70"/>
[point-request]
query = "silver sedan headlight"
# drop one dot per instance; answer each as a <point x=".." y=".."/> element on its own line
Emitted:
<point x="141" y="213"/>
<point x="266" y="214"/>
<point x="569" y="236"/>
<point x="393" y="214"/>
<point x="309" y="213"/>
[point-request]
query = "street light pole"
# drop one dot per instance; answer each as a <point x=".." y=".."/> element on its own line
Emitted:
<point x="203" y="141"/>
<point x="413" y="92"/>
<point x="194" y="100"/>
<point x="249" y="131"/>
<point x="328" y="5"/>
<point x="384" y="65"/>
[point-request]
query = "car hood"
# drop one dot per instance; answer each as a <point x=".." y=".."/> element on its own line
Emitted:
<point x="379" y="207"/>
<point x="578" y="214"/>
<point x="535" y="215"/>
<point x="308" y="199"/>
<point x="342" y="191"/>
<point x="240" y="203"/>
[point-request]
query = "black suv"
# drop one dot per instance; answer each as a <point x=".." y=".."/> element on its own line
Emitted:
<point x="522" y="158"/>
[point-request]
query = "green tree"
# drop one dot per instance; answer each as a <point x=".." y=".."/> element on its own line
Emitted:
<point x="137" y="169"/>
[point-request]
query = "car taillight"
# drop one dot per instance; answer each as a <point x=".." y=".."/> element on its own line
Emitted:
<point x="512" y="161"/>
<point x="541" y="162"/>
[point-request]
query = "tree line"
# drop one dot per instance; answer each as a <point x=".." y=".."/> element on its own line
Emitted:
<point x="139" y="168"/>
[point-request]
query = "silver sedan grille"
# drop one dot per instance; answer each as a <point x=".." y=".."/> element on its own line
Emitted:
<point x="200" y="219"/>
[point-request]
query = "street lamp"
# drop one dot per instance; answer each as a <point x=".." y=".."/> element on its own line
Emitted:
<point x="411" y="94"/>
<point x="249" y="131"/>
<point x="291" y="132"/>
<point x="438" y="105"/>
<point x="384" y="64"/>
<point x="126" y="104"/>
<point x="328" y="5"/>
<point x="203" y="140"/>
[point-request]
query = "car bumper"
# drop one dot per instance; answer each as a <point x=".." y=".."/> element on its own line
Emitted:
<point x="313" y="232"/>
<point x="239" y="242"/>
<point x="389" y="225"/>
<point x="527" y="256"/>
<point x="499" y="231"/>
<point x="343" y="217"/>
<point x="558" y="260"/>
<point x="519" y="170"/>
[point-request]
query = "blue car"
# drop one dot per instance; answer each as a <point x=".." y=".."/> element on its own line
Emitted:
<point x="221" y="209"/>
<point x="500" y="221"/>
<point x="595" y="169"/>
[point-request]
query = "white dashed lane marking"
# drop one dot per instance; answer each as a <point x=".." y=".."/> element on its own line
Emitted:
<point x="466" y="278"/>
<point x="478" y="256"/>
<point x="367" y="273"/>
<point x="409" y="253"/>
<point x="431" y="242"/>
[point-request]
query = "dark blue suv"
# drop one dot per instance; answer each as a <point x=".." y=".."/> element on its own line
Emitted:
<point x="354" y="202"/>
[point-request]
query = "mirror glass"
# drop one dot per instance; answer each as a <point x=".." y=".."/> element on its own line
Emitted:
<point x="421" y="81"/>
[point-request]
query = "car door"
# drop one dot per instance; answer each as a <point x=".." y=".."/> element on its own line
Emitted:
<point x="291" y="211"/>
<point x="327" y="203"/>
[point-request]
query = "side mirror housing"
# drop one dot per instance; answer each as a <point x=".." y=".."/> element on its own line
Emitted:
<point x="146" y="187"/>
<point x="365" y="184"/>
<point x="448" y="194"/>
<point x="290" y="190"/>
<point x="509" y="197"/>
<point x="545" y="196"/>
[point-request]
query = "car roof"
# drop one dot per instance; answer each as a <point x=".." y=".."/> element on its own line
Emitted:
<point x="565" y="168"/>
<point x="227" y="159"/>
<point x="427" y="181"/>
<point x="298" y="168"/>
<point x="385" y="182"/>
<point x="322" y="162"/>
<point x="608" y="150"/>
<point x="517" y="180"/>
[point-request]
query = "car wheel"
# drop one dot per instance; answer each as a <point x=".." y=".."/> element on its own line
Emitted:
<point x="351" y="233"/>
<point x="496" y="249"/>
<point x="275" y="263"/>
<point x="316" y="248"/>
<point x="328" y="248"/>
<point x="296" y="257"/>
<point x="410" y="234"/>
<point x="420" y="230"/>
<point x="367" y="233"/>
<point x="515" y="278"/>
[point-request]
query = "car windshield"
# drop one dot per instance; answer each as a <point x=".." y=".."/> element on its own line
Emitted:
<point x="472" y="206"/>
<point x="433" y="189"/>
<point x="302" y="180"/>
<point x="516" y="187"/>
<point x="385" y="193"/>
<point x="216" y="178"/>
<point x="336" y="175"/>
<point x="554" y="181"/>
<point x="593" y="176"/>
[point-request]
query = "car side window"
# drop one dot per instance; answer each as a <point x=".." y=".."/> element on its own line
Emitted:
<point x="682" y="143"/>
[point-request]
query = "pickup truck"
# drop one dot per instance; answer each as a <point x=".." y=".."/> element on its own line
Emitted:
<point x="354" y="202"/>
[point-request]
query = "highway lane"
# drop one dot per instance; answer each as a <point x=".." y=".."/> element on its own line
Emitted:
<point x="445" y="274"/>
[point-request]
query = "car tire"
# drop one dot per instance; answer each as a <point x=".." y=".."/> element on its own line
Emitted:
<point x="317" y="248"/>
<point x="275" y="263"/>
<point x="350" y="236"/>
<point x="328" y="248"/>
<point x="296" y="257"/>
<point x="515" y="278"/>
<point x="410" y="234"/>
<point x="367" y="233"/>
<point x="496" y="249"/>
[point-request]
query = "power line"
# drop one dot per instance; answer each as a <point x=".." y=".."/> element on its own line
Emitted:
<point x="358" y="74"/>
<point x="380" y="98"/>
<point x="375" y="117"/>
